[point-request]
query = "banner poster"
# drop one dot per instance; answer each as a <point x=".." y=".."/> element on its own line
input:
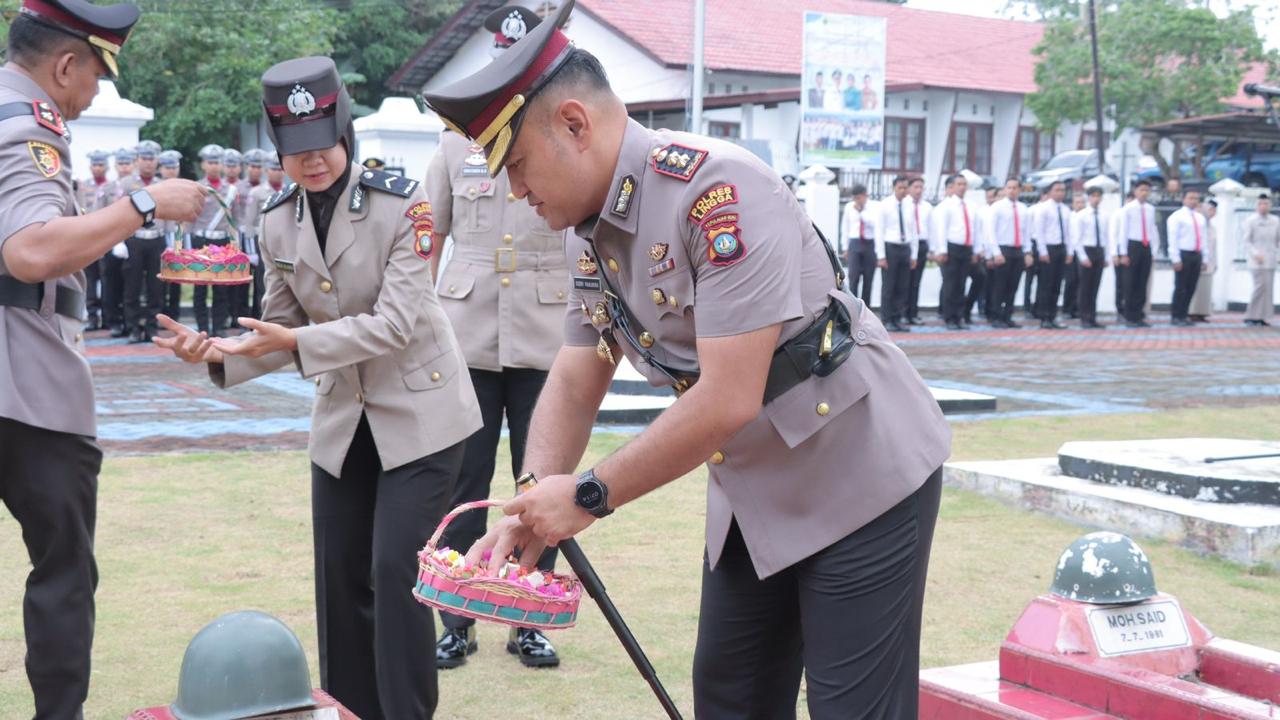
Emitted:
<point x="842" y="91"/>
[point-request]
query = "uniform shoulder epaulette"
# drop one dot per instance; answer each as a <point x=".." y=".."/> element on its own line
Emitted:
<point x="388" y="182"/>
<point x="279" y="198"/>
<point x="45" y="116"/>
<point x="677" y="161"/>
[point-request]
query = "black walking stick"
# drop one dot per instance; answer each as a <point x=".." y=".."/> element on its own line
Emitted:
<point x="595" y="588"/>
<point x="1241" y="457"/>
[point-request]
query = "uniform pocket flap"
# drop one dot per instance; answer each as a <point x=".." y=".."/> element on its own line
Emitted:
<point x="806" y="408"/>
<point x="433" y="374"/>
<point x="457" y="288"/>
<point x="553" y="290"/>
<point x="324" y="383"/>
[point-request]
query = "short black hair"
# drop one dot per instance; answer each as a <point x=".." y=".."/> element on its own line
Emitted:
<point x="951" y="180"/>
<point x="1213" y="202"/>
<point x="1093" y="191"/>
<point x="1055" y="184"/>
<point x="914" y="180"/>
<point x="901" y="179"/>
<point x="580" y="68"/>
<point x="1142" y="183"/>
<point x="1188" y="191"/>
<point x="1264" y="196"/>
<point x="31" y="41"/>
<point x="858" y="189"/>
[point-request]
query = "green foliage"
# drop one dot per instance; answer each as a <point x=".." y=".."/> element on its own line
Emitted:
<point x="376" y="37"/>
<point x="1160" y="59"/>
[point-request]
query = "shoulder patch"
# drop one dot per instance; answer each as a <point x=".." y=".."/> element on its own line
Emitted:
<point x="46" y="157"/>
<point x="712" y="200"/>
<point x="677" y="161"/>
<point x="48" y="118"/>
<point x="279" y="198"/>
<point x="357" y="199"/>
<point x="724" y="240"/>
<point x="388" y="182"/>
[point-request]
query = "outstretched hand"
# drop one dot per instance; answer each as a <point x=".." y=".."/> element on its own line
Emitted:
<point x="265" y="339"/>
<point x="187" y="344"/>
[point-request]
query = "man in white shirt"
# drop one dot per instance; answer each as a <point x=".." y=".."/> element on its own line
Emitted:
<point x="979" y="280"/>
<point x="858" y="240"/>
<point x="952" y="242"/>
<point x="1202" y="299"/>
<point x="895" y="252"/>
<point x="920" y="223"/>
<point x="1051" y="219"/>
<point x="1090" y="244"/>
<point x="1135" y="233"/>
<point x="1007" y="240"/>
<point x="1187" y="232"/>
<point x="1071" y="288"/>
<point x="1262" y="247"/>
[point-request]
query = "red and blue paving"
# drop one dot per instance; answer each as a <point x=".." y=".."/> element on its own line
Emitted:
<point x="149" y="402"/>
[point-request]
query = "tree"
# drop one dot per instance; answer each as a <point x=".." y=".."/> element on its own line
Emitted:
<point x="1160" y="60"/>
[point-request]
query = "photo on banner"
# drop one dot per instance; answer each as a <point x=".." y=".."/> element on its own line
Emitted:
<point x="842" y="91"/>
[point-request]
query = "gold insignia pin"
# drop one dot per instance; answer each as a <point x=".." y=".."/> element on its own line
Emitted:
<point x="604" y="352"/>
<point x="600" y="316"/>
<point x="657" y="251"/>
<point x="613" y="265"/>
<point x="659" y="297"/>
<point x="661" y="155"/>
<point x="587" y="264"/>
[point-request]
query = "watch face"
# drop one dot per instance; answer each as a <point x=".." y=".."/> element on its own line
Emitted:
<point x="589" y="495"/>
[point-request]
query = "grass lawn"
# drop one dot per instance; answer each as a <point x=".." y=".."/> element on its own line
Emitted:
<point x="185" y="538"/>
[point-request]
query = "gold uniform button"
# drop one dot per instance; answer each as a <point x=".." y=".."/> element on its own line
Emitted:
<point x="646" y="340"/>
<point x="471" y="191"/>
<point x="317" y="382"/>
<point x="435" y="377"/>
<point x="613" y="265"/>
<point x="506" y="282"/>
<point x="511" y="197"/>
<point x="673" y="302"/>
<point x="559" y="294"/>
<point x="824" y="409"/>
<point x="360" y="397"/>
<point x="452" y="289"/>
<point x="325" y="286"/>
<point x="717" y="457"/>
<point x="507" y="238"/>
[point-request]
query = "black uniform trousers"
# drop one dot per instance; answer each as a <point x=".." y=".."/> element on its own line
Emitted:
<point x="1029" y="287"/>
<point x="1006" y="282"/>
<point x="93" y="294"/>
<point x="895" y="281"/>
<point x="1051" y="274"/>
<point x="1071" y="290"/>
<point x="1184" y="283"/>
<point x="210" y="320"/>
<point x="913" y="297"/>
<point x="111" y="269"/>
<point x="143" y="291"/>
<point x="173" y="300"/>
<point x="977" y="289"/>
<point x="377" y="643"/>
<point x="49" y="482"/>
<point x="1135" y="286"/>
<point x="954" y="272"/>
<point x="1122" y="278"/>
<point x="1090" y="281"/>
<point x="515" y="392"/>
<point x="240" y="297"/>
<point x="990" y="305"/>
<point x="862" y="269"/>
<point x="847" y="616"/>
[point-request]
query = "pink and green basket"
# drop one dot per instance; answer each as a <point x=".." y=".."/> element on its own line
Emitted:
<point x="494" y="599"/>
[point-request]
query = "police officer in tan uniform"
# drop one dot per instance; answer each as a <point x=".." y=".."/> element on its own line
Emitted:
<point x="143" y="291"/>
<point x="169" y="165"/>
<point x="211" y="229"/>
<point x="350" y="304"/>
<point x="93" y="193"/>
<point x="823" y="444"/>
<point x="504" y="289"/>
<point x="258" y="197"/>
<point x="49" y="459"/>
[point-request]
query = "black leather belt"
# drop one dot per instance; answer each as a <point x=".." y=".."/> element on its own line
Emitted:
<point x="69" y="302"/>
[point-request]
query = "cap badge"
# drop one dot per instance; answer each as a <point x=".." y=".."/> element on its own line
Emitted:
<point x="513" y="26"/>
<point x="301" y="101"/>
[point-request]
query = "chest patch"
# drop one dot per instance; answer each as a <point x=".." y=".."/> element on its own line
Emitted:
<point x="678" y="161"/>
<point x="712" y="200"/>
<point x="724" y="240"/>
<point x="46" y="158"/>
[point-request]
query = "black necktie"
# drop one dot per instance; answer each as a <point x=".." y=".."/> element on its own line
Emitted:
<point x="1097" y="230"/>
<point x="902" y="227"/>
<point x="1062" y="234"/>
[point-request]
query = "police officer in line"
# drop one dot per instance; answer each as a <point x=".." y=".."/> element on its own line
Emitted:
<point x="1092" y="251"/>
<point x="94" y="193"/>
<point x="143" y="291"/>
<point x="350" y="302"/>
<point x="125" y="160"/>
<point x="258" y="197"/>
<point x="824" y="446"/>
<point x="211" y="229"/>
<point x="253" y="166"/>
<point x="57" y="50"/>
<point x="111" y="267"/>
<point x="1051" y="219"/>
<point x="1135" y="233"/>
<point x="169" y="166"/>
<point x="233" y="162"/>
<point x="504" y="289"/>
<point x="1008" y="240"/>
<point x="920" y="210"/>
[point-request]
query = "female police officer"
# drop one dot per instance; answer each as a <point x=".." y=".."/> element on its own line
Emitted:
<point x="351" y="303"/>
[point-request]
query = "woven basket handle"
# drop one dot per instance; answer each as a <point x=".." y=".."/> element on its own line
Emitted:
<point x="464" y="507"/>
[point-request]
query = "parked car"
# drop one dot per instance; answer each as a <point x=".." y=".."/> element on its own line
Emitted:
<point x="1072" y="167"/>
<point x="1250" y="164"/>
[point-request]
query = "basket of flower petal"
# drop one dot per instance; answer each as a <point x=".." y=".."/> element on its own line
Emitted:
<point x="546" y="601"/>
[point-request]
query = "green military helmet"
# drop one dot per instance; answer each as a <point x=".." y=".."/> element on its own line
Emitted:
<point x="1104" y="568"/>
<point x="241" y="665"/>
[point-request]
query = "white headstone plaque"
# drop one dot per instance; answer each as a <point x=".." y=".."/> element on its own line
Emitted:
<point x="1143" y="627"/>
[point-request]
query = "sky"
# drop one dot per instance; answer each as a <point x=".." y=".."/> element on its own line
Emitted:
<point x="1267" y="12"/>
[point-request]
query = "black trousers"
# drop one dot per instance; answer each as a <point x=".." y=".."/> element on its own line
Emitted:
<point x="173" y="300"/>
<point x="1090" y="281"/>
<point x="377" y="644"/>
<point x="1051" y="274"/>
<point x="93" y="291"/>
<point x="1006" y="282"/>
<point x="977" y="289"/>
<point x="1122" y="275"/>
<point x="1184" y="283"/>
<point x="49" y="482"/>
<point x="895" y="282"/>
<point x="1029" y="287"/>
<point x="847" y="616"/>
<point x="240" y="297"/>
<point x="259" y="290"/>
<point x="990" y="304"/>
<point x="143" y="291"/>
<point x="111" y="269"/>
<point x="913" y="295"/>
<point x="954" y="272"/>
<point x="862" y="269"/>
<point x="1071" y="290"/>
<point x="1135" y="286"/>
<point x="208" y="319"/>
<point x="515" y="392"/>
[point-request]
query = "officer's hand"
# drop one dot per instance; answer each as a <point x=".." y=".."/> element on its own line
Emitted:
<point x="187" y="344"/>
<point x="1071" y="259"/>
<point x="883" y="263"/>
<point x="974" y="259"/>
<point x="1177" y="267"/>
<point x="913" y="263"/>
<point x="178" y="199"/>
<point x="1029" y="260"/>
<point x="505" y="537"/>
<point x="940" y="258"/>
<point x="1125" y="261"/>
<point x="549" y="510"/>
<point x="265" y="339"/>
<point x="999" y="260"/>
<point x="1086" y="263"/>
<point x="1044" y="259"/>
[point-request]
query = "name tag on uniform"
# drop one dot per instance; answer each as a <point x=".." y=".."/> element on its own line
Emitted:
<point x="284" y="265"/>
<point x="587" y="283"/>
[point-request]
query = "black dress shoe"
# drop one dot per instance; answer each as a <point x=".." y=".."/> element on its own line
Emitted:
<point x="898" y="327"/>
<point x="1012" y="325"/>
<point x="999" y="324"/>
<point x="119" y="331"/>
<point x="94" y="323"/>
<point x="914" y="321"/>
<point x="454" y="646"/>
<point x="534" y="649"/>
<point x="1051" y="325"/>
<point x="137" y="336"/>
<point x="954" y="325"/>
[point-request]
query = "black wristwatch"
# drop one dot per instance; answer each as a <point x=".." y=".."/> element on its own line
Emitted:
<point x="145" y="205"/>
<point x="592" y="495"/>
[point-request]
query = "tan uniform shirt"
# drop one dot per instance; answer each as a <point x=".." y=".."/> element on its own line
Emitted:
<point x="44" y="377"/>
<point x="1261" y="241"/>
<point x="716" y="245"/>
<point x="213" y="220"/>
<point x="93" y="196"/>
<point x="378" y="342"/>
<point x="506" y="284"/>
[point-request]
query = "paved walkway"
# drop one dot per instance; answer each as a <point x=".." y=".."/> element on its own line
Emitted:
<point x="148" y="402"/>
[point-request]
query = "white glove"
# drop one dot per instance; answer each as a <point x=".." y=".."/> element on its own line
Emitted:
<point x="120" y="251"/>
<point x="253" y="259"/>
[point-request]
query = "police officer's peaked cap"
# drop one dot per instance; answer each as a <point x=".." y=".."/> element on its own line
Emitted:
<point x="126" y="155"/>
<point x="374" y="163"/>
<point x="254" y="157"/>
<point x="147" y="149"/>
<point x="307" y="105"/>
<point x="271" y="161"/>
<point x="232" y="157"/>
<point x="170" y="158"/>
<point x="488" y="106"/>
<point x="104" y="27"/>
<point x="511" y="23"/>
<point x="211" y="153"/>
<point x="98" y="157"/>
